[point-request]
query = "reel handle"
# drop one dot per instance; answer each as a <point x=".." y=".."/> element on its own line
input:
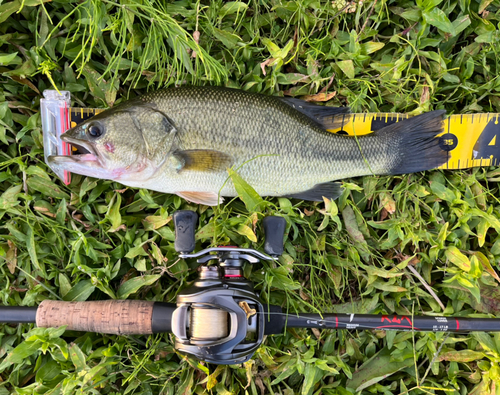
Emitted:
<point x="274" y="230"/>
<point x="185" y="222"/>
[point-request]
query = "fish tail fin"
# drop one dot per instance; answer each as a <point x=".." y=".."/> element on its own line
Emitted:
<point x="413" y="145"/>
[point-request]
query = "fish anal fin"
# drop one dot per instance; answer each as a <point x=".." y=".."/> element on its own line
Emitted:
<point x="325" y="116"/>
<point x="207" y="198"/>
<point x="203" y="160"/>
<point x="330" y="190"/>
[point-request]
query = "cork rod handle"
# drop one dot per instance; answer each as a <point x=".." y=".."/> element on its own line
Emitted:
<point x="120" y="317"/>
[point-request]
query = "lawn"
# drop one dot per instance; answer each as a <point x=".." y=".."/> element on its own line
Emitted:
<point x="423" y="243"/>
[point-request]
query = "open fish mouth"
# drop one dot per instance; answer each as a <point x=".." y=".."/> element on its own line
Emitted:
<point x="85" y="150"/>
<point x="85" y="162"/>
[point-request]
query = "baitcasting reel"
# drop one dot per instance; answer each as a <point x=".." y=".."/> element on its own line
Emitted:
<point x="220" y="319"/>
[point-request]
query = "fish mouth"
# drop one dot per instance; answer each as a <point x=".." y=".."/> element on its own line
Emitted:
<point x="85" y="162"/>
<point x="85" y="150"/>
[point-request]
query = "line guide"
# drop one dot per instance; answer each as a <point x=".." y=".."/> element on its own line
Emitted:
<point x="471" y="140"/>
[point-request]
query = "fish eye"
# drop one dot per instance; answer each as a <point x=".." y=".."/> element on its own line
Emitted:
<point x="95" y="130"/>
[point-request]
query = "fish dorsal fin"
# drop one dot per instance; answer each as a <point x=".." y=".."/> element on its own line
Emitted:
<point x="330" y="190"/>
<point x="323" y="115"/>
<point x="207" y="198"/>
<point x="201" y="160"/>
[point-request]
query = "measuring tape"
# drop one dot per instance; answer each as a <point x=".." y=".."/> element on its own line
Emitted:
<point x="470" y="140"/>
<point x="77" y="114"/>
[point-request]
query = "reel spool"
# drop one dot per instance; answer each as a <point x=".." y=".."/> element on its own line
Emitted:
<point x="208" y="323"/>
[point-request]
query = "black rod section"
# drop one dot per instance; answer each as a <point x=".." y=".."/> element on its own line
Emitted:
<point x="17" y="314"/>
<point x="161" y="320"/>
<point x="392" y="322"/>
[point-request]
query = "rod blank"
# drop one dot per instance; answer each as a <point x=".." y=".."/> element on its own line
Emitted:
<point x="136" y="317"/>
<point x="17" y="314"/>
<point x="393" y="322"/>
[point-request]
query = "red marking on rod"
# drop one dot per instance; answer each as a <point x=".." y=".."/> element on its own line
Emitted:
<point x="232" y="275"/>
<point x="395" y="319"/>
<point x="336" y="322"/>
<point x="458" y="324"/>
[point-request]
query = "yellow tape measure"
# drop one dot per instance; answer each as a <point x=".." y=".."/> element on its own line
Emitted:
<point x="471" y="140"/>
<point x="78" y="115"/>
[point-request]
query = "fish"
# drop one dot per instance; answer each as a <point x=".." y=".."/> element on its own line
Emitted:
<point x="183" y="140"/>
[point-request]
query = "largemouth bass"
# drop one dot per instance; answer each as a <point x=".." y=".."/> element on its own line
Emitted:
<point x="183" y="140"/>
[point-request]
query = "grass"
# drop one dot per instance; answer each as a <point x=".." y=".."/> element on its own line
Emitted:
<point x="382" y="247"/>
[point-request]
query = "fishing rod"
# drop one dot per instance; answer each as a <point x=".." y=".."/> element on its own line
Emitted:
<point x="220" y="318"/>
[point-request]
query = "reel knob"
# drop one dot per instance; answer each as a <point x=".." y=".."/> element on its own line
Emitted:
<point x="185" y="222"/>
<point x="274" y="230"/>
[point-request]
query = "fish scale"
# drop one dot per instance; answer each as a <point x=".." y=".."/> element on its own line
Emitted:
<point x="182" y="140"/>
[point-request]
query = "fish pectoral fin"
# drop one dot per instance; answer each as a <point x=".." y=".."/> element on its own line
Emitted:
<point x="207" y="198"/>
<point x="203" y="160"/>
<point x="330" y="190"/>
<point x="323" y="115"/>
